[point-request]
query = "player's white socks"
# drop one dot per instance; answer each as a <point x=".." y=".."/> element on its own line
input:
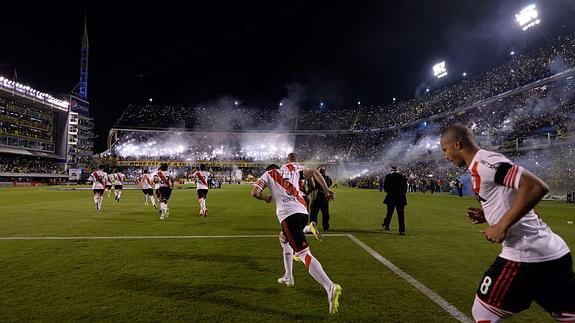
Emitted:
<point x="288" y="258"/>
<point x="315" y="270"/>
<point x="152" y="199"/>
<point x="202" y="204"/>
<point x="100" y="200"/>
<point x="119" y="194"/>
<point x="306" y="229"/>
<point x="483" y="312"/>
<point x="96" y="200"/>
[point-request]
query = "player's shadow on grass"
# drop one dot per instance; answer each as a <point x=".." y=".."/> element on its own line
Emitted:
<point x="212" y="293"/>
<point x="352" y="231"/>
<point x="241" y="260"/>
<point x="274" y="229"/>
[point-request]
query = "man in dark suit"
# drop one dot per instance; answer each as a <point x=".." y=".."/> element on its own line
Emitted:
<point x="319" y="201"/>
<point x="395" y="185"/>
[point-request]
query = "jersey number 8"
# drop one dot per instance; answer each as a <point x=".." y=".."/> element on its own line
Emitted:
<point x="484" y="288"/>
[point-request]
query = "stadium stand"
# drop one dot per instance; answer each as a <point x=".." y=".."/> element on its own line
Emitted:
<point x="521" y="107"/>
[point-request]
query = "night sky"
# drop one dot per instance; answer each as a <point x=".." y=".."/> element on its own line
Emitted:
<point x="339" y="52"/>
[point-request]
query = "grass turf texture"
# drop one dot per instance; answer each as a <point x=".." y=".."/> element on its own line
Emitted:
<point x="235" y="278"/>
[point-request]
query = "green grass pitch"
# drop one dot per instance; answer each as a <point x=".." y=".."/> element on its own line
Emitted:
<point x="234" y="279"/>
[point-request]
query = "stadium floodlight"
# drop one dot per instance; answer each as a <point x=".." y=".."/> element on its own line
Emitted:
<point x="464" y="74"/>
<point x="281" y="104"/>
<point x="393" y="99"/>
<point x="512" y="53"/>
<point x="321" y="103"/>
<point x="427" y="90"/>
<point x="236" y="103"/>
<point x="358" y="103"/>
<point x="439" y="70"/>
<point x="528" y="17"/>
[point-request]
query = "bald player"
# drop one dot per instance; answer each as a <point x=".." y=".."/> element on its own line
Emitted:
<point x="534" y="264"/>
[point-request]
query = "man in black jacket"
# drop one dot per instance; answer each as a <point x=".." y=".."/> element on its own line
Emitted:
<point x="319" y="201"/>
<point x="395" y="185"/>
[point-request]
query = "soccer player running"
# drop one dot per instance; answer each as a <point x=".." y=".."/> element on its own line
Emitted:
<point x="293" y="166"/>
<point x="202" y="188"/>
<point x="109" y="180"/>
<point x="292" y="215"/>
<point x="98" y="179"/>
<point x="166" y="183"/>
<point x="118" y="184"/>
<point x="535" y="264"/>
<point x="148" y="188"/>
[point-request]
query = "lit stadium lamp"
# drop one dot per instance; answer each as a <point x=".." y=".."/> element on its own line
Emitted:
<point x="393" y="99"/>
<point x="358" y="103"/>
<point x="512" y="53"/>
<point x="439" y="70"/>
<point x="464" y="74"/>
<point x="528" y="17"/>
<point x="151" y="100"/>
<point x="427" y="90"/>
<point x="281" y="103"/>
<point x="236" y="103"/>
<point x="1" y="78"/>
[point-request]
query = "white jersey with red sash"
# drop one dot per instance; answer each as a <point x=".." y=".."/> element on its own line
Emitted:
<point x="296" y="167"/>
<point x="147" y="182"/>
<point x="98" y="179"/>
<point x="119" y="179"/>
<point x="202" y="177"/>
<point x="284" y="186"/>
<point x="164" y="179"/>
<point x="495" y="182"/>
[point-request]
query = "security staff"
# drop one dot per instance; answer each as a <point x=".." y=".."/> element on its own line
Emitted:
<point x="395" y="185"/>
<point x="319" y="201"/>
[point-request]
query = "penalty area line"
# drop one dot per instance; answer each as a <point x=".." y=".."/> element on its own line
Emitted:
<point x="452" y="310"/>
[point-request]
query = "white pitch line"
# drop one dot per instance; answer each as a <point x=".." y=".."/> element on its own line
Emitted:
<point x="457" y="314"/>
<point x="156" y="237"/>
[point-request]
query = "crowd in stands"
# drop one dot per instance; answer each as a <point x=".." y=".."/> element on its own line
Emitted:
<point x="11" y="163"/>
<point x="25" y="126"/>
<point x="520" y="70"/>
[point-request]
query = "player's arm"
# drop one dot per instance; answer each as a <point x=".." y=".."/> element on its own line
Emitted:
<point x="531" y="191"/>
<point x="315" y="174"/>
<point x="310" y="186"/>
<point x="386" y="183"/>
<point x="476" y="215"/>
<point x="257" y="193"/>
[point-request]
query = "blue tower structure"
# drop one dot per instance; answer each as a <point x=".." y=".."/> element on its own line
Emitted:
<point x="84" y="66"/>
